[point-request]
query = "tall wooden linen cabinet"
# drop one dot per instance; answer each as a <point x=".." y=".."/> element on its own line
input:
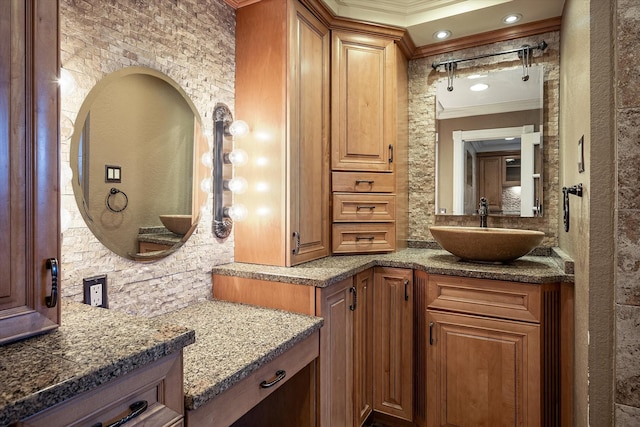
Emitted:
<point x="282" y="92"/>
<point x="29" y="193"/>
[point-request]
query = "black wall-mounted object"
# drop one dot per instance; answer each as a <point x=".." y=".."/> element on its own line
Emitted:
<point x="575" y="190"/>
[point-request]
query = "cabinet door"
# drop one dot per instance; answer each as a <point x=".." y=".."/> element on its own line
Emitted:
<point x="309" y="136"/>
<point x="29" y="190"/>
<point x="490" y="181"/>
<point x="363" y="113"/>
<point x="393" y="342"/>
<point x="335" y="406"/>
<point x="482" y="371"/>
<point x="363" y="347"/>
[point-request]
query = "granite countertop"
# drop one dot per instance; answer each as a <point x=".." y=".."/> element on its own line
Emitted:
<point x="90" y="348"/>
<point x="233" y="340"/>
<point x="327" y="271"/>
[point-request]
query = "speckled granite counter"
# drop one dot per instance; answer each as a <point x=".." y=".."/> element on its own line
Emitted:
<point x="233" y="341"/>
<point x="91" y="347"/>
<point x="326" y="271"/>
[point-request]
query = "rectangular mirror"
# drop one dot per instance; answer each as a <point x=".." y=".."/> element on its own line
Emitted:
<point x="489" y="143"/>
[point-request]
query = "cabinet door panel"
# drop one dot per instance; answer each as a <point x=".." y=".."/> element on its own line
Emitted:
<point x="363" y="347"/>
<point x="336" y="355"/>
<point x="29" y="193"/>
<point x="362" y="121"/>
<point x="309" y="127"/>
<point x="393" y="342"/>
<point x="482" y="371"/>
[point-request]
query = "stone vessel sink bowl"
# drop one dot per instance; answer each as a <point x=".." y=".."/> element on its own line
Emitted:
<point x="494" y="245"/>
<point x="178" y="224"/>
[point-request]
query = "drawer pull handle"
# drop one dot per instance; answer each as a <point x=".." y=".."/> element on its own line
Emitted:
<point x="136" y="409"/>
<point x="370" y="207"/>
<point x="390" y="153"/>
<point x="364" y="181"/>
<point x="354" y="291"/>
<point x="52" y="300"/>
<point x="275" y="380"/>
<point x="430" y="333"/>
<point x="371" y="238"/>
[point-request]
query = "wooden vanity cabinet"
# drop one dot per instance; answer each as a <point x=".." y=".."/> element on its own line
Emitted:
<point x="160" y="384"/>
<point x="345" y="365"/>
<point x="369" y="122"/>
<point x="282" y="92"/>
<point x="493" y="352"/>
<point x="29" y="158"/>
<point x="393" y="342"/>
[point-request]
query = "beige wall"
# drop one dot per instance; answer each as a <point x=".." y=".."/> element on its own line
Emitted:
<point x="422" y="134"/>
<point x="191" y="41"/>
<point x="586" y="109"/>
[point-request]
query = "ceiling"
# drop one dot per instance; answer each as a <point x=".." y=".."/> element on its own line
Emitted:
<point x="422" y="18"/>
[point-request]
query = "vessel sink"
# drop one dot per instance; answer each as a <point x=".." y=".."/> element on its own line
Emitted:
<point x="495" y="245"/>
<point x="178" y="224"/>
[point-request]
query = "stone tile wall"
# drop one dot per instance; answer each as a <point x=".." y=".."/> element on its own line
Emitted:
<point x="422" y="134"/>
<point x="193" y="42"/>
<point x="627" y="309"/>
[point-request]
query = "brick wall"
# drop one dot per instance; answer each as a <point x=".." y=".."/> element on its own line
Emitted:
<point x="422" y="134"/>
<point x="191" y="41"/>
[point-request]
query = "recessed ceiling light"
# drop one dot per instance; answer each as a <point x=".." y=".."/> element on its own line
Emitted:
<point x="442" y="34"/>
<point x="512" y="19"/>
<point x="510" y="139"/>
<point x="479" y="87"/>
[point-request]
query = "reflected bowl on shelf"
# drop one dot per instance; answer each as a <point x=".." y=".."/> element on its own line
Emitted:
<point x="178" y="224"/>
<point x="493" y="245"/>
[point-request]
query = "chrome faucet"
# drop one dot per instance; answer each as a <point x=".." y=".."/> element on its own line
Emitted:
<point x="483" y="211"/>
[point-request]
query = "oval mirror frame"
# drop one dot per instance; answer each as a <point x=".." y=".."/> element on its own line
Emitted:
<point x="146" y="163"/>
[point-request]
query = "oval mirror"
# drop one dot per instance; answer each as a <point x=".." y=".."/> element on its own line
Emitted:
<point x="135" y="156"/>
<point x="490" y="143"/>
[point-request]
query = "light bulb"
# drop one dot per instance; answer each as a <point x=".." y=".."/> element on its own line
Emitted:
<point x="206" y="185"/>
<point x="239" y="128"/>
<point x="207" y="159"/>
<point x="67" y="82"/>
<point x="237" y="157"/>
<point x="237" y="212"/>
<point x="237" y="185"/>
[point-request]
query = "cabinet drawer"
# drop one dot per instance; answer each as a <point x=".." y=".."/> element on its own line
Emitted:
<point x="361" y="182"/>
<point x="365" y="237"/>
<point x="230" y="405"/>
<point x="160" y="384"/>
<point x="486" y="297"/>
<point x="363" y="207"/>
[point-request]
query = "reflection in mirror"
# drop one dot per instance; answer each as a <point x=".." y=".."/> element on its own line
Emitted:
<point x="489" y="143"/>
<point x="136" y="153"/>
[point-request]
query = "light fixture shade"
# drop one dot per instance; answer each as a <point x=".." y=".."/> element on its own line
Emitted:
<point x="239" y="128"/>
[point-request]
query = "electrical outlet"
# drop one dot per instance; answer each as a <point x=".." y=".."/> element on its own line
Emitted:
<point x="95" y="291"/>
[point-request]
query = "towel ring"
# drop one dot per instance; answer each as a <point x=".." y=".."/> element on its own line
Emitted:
<point x="113" y="192"/>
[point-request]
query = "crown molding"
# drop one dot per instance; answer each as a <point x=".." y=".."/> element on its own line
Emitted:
<point x="516" y="32"/>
